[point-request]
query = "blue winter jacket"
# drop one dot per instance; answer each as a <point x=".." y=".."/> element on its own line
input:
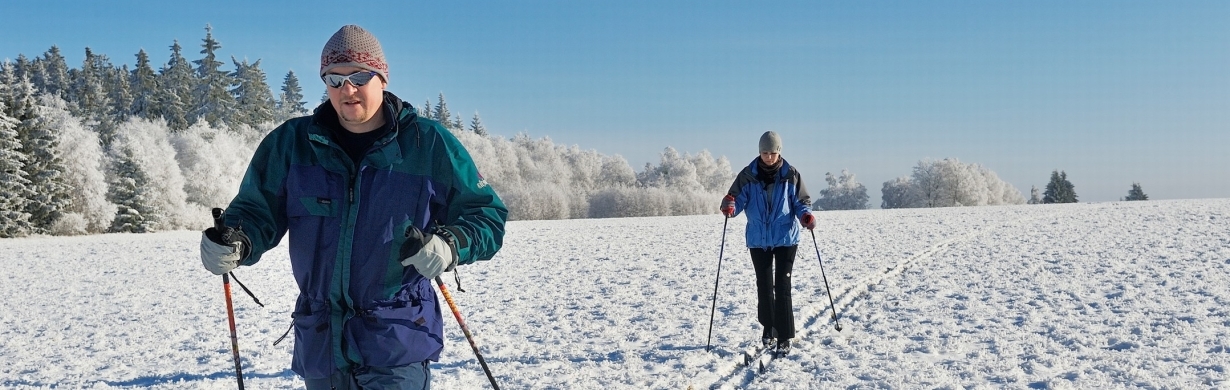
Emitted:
<point x="772" y="208"/>
<point x="357" y="305"/>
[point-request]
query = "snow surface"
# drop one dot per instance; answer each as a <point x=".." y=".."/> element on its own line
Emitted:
<point x="1077" y="296"/>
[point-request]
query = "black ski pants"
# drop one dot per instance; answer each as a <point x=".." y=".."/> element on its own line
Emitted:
<point x="774" y="309"/>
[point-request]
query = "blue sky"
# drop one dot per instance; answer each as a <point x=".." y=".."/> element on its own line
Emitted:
<point x="1112" y="92"/>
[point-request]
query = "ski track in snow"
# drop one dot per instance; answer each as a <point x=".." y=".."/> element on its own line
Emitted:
<point x="1105" y="295"/>
<point x="821" y="315"/>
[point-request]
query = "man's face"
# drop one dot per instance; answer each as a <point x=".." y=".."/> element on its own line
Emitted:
<point x="358" y="108"/>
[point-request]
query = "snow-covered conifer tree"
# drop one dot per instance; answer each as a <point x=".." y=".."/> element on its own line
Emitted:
<point x="14" y="187"/>
<point x="212" y="99"/>
<point x="254" y="102"/>
<point x="175" y="85"/>
<point x="119" y="94"/>
<point x="144" y="84"/>
<point x="1136" y="193"/>
<point x="290" y="101"/>
<point x="476" y="125"/>
<point x="48" y="194"/>
<point x="441" y="113"/>
<point x="130" y="190"/>
<point x="88" y="89"/>
<point x="1059" y="189"/>
<point x="54" y="76"/>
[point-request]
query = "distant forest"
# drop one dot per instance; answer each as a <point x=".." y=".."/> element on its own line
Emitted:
<point x="89" y="150"/>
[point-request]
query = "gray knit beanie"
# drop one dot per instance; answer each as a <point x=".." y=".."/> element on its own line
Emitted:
<point x="354" y="46"/>
<point x="770" y="142"/>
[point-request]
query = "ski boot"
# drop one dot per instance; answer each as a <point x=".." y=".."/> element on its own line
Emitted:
<point x="768" y="337"/>
<point x="783" y="347"/>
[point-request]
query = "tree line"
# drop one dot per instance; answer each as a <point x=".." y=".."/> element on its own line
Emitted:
<point x="102" y="148"/>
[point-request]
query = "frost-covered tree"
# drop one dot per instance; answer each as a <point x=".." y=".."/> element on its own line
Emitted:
<point x="1136" y="193"/>
<point x="254" y="102"/>
<point x="1059" y="189"/>
<point x="131" y="191"/>
<point x="212" y="99"/>
<point x="88" y="210"/>
<point x="843" y="193"/>
<point x="714" y="174"/>
<point x="441" y="113"/>
<point x="22" y="68"/>
<point x="948" y="183"/>
<point x="144" y="84"/>
<point x="14" y="186"/>
<point x="120" y="96"/>
<point x="538" y="179"/>
<point x="900" y="193"/>
<point x="617" y="174"/>
<point x="1034" y="196"/>
<point x="476" y="125"/>
<point x="141" y="153"/>
<point x="175" y="85"/>
<point x="213" y="162"/>
<point x="88" y="86"/>
<point x="47" y="192"/>
<point x="290" y="101"/>
<point x="53" y="78"/>
<point x="677" y="171"/>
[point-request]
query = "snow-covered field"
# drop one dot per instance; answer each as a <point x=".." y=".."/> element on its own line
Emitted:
<point x="1078" y="296"/>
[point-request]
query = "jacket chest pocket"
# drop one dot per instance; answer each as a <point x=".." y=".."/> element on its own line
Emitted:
<point x="312" y="191"/>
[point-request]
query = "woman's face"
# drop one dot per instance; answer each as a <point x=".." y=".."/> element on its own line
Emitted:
<point x="769" y="158"/>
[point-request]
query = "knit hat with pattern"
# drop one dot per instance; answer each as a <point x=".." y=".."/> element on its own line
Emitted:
<point x="354" y="46"/>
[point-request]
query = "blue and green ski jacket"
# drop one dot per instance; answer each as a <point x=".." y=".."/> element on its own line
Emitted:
<point x="358" y="306"/>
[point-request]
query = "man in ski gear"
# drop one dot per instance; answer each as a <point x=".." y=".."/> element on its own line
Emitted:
<point x="772" y="194"/>
<point x="377" y="202"/>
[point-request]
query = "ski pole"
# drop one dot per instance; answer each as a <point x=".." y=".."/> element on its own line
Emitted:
<point x="836" y="323"/>
<point x="230" y="309"/>
<point x="465" y="329"/>
<point x="230" y="316"/>
<point x="713" y="308"/>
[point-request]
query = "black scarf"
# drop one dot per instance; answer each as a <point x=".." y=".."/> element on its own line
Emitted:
<point x="767" y="174"/>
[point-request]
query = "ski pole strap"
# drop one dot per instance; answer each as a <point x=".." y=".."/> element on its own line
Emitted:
<point x="284" y="334"/>
<point x="457" y="276"/>
<point x="245" y="289"/>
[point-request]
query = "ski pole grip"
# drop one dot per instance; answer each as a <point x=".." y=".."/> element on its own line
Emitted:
<point x="217" y="212"/>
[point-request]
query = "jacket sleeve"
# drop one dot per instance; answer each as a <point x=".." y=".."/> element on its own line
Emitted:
<point x="257" y="208"/>
<point x="736" y="189"/>
<point x="802" y="200"/>
<point x="476" y="215"/>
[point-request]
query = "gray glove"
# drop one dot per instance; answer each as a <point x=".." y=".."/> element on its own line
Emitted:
<point x="221" y="251"/>
<point x="429" y="254"/>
